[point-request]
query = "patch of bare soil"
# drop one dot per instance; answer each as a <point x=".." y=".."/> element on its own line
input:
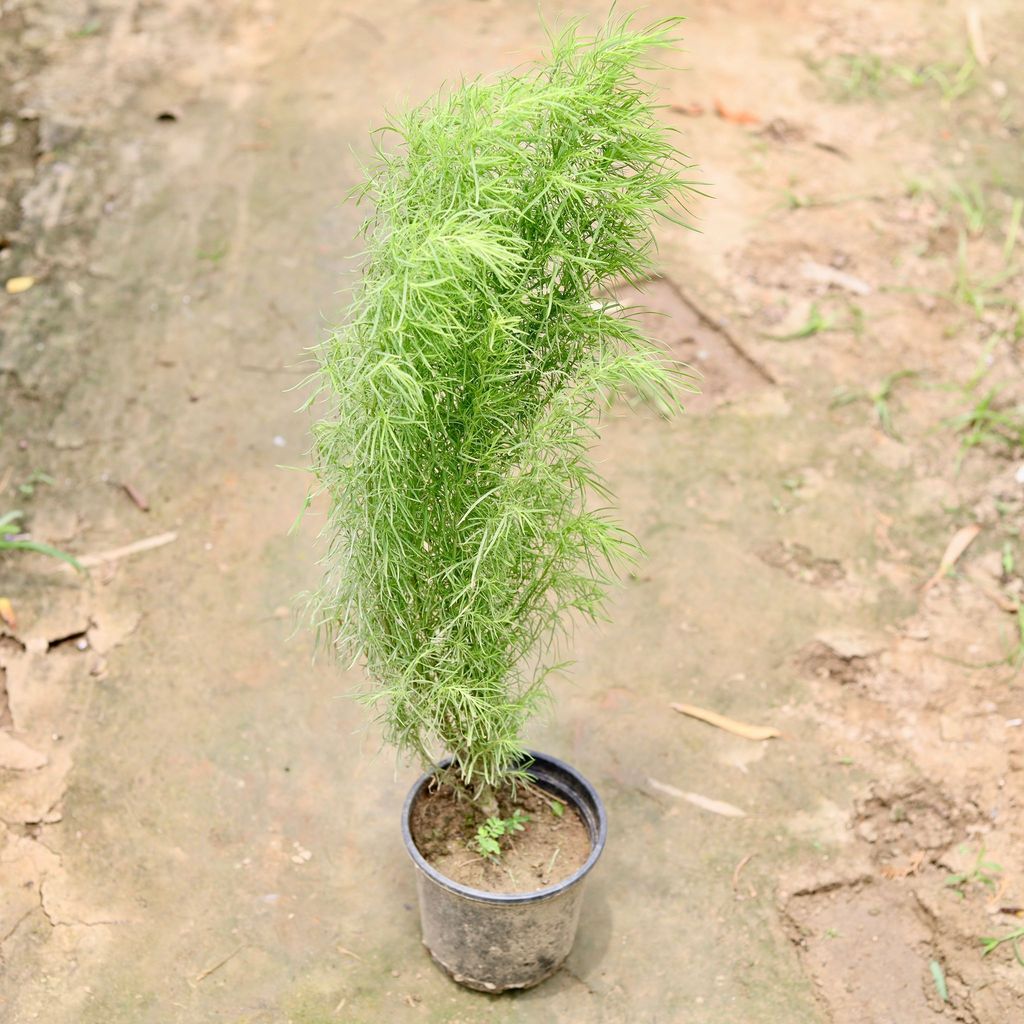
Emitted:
<point x="798" y="562"/>
<point x="867" y="950"/>
<point x="550" y="847"/>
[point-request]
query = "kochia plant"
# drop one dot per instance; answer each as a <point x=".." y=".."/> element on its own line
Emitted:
<point x="466" y="385"/>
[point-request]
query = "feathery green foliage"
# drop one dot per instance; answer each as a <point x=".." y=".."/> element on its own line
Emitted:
<point x="465" y="389"/>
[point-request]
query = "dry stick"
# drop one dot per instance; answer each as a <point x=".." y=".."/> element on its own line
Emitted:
<point x="705" y="803"/>
<point x="736" y="875"/>
<point x="147" y="544"/>
<point x="558" y="850"/>
<point x="218" y="965"/>
<point x="973" y="19"/>
<point x="138" y="498"/>
<point x="997" y="597"/>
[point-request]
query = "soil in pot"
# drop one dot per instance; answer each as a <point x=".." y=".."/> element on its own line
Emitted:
<point x="551" y="846"/>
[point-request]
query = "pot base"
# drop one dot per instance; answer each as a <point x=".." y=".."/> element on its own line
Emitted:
<point x="488" y="986"/>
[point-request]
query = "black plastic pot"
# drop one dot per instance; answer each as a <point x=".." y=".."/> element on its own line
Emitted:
<point x="492" y="941"/>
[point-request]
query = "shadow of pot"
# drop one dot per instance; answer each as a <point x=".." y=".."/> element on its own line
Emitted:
<point x="493" y="941"/>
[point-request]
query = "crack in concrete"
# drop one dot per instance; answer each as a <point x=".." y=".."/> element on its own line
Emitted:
<point x="17" y="924"/>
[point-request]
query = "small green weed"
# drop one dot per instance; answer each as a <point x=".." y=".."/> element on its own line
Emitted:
<point x="992" y="943"/>
<point x="1013" y="229"/>
<point x="983" y="872"/>
<point x="970" y="199"/>
<point x="28" y="488"/>
<point x="987" y="425"/>
<point x="10" y="528"/>
<point x="489" y="834"/>
<point x="1007" y="559"/>
<point x="816" y="323"/>
<point x="794" y="200"/>
<point x="90" y="28"/>
<point x="214" y="254"/>
<point x="879" y="398"/>
<point x="858" y="320"/>
<point x="953" y="81"/>
<point x="856" y="77"/>
<point x="978" y="293"/>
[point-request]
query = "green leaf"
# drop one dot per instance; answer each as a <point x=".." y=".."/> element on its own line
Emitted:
<point x="42" y="549"/>
<point x="1008" y="560"/>
<point x="816" y="322"/>
<point x="939" y="977"/>
<point x="9" y="521"/>
<point x="557" y="808"/>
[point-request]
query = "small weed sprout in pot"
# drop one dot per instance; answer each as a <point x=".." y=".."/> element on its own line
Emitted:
<point x="464" y="394"/>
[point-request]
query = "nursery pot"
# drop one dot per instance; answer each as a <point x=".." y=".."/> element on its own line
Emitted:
<point x="492" y="941"/>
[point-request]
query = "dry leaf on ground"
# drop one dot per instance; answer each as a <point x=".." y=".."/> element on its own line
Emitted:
<point x="16" y="285"/>
<point x="7" y="612"/>
<point x="735" y="116"/>
<point x="960" y="542"/>
<point x="749" y="732"/>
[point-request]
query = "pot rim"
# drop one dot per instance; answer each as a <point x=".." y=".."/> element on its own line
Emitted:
<point x="510" y="898"/>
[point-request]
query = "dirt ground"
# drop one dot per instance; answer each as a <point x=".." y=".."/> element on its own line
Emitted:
<point x="197" y="825"/>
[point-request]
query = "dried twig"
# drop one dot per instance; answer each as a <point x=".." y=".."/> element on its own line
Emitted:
<point x="751" y="891"/>
<point x="551" y="863"/>
<point x="135" y="548"/>
<point x="705" y="803"/>
<point x="137" y="497"/>
<point x="218" y="965"/>
<point x="974" y="34"/>
<point x="997" y="597"/>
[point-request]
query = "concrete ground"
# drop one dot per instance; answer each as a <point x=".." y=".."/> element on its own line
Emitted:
<point x="214" y="833"/>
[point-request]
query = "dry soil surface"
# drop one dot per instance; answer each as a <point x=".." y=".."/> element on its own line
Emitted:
<point x="197" y="825"/>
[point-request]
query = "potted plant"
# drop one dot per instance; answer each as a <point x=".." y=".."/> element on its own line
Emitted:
<point x="464" y="393"/>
